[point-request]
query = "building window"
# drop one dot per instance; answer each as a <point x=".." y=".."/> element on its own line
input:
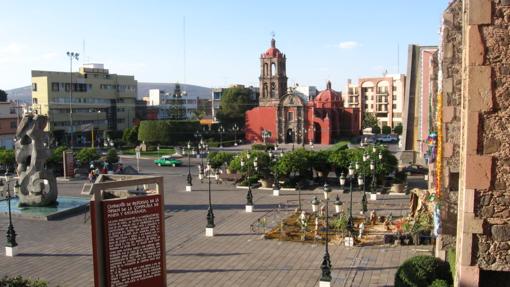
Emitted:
<point x="394" y="106"/>
<point x="366" y="106"/>
<point x="34" y="100"/>
<point x="14" y="125"/>
<point x="290" y="116"/>
<point x="12" y="111"/>
<point x="55" y="86"/>
<point x="34" y="87"/>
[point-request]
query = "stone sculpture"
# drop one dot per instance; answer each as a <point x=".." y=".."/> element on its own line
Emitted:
<point x="38" y="185"/>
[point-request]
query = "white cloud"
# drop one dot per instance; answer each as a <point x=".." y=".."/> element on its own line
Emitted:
<point x="348" y="45"/>
<point x="11" y="53"/>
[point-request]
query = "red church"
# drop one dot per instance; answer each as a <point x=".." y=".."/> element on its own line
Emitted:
<point x="285" y="117"/>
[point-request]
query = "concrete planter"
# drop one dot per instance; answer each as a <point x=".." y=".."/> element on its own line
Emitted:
<point x="266" y="183"/>
<point x="249" y="208"/>
<point x="11" y="251"/>
<point x="397" y="188"/>
<point x="209" y="232"/>
<point x="349" y="241"/>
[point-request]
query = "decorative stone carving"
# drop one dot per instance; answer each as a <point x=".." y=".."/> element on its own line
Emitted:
<point x="38" y="185"/>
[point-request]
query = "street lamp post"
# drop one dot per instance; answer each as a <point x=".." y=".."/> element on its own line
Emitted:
<point x="373" y="166"/>
<point x="209" y="228"/>
<point x="325" y="280"/>
<point x="349" y="241"/>
<point x="249" y="194"/>
<point x="11" y="246"/>
<point x="71" y="55"/>
<point x="235" y="129"/>
<point x="221" y="130"/>
<point x="276" y="185"/>
<point x="200" y="150"/>
<point x="189" y="180"/>
<point x="364" y="207"/>
<point x="265" y="135"/>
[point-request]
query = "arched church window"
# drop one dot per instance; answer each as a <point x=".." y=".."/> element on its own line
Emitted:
<point x="273" y="69"/>
<point x="273" y="88"/>
<point x="266" y="91"/>
<point x="266" y="70"/>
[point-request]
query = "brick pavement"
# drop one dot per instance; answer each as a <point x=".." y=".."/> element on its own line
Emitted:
<point x="60" y="251"/>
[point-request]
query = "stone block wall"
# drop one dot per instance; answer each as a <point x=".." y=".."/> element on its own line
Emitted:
<point x="491" y="50"/>
<point x="451" y="83"/>
<point x="483" y="225"/>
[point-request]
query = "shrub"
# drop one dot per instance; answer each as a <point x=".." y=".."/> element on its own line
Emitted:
<point x="376" y="130"/>
<point x="386" y="130"/>
<point x="112" y="156"/>
<point x="7" y="158"/>
<point x="422" y="271"/>
<point x="398" y="129"/>
<point x="439" y="283"/>
<point x="262" y="146"/>
<point x="86" y="155"/>
<point x="217" y="159"/>
<point x="19" y="281"/>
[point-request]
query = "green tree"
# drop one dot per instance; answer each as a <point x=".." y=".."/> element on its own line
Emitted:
<point x="56" y="161"/>
<point x="235" y="102"/>
<point x="168" y="132"/>
<point x="398" y="129"/>
<point x="177" y="110"/>
<point x="217" y="159"/>
<point x="386" y="130"/>
<point x="112" y="156"/>
<point x="7" y="158"/>
<point x="369" y="120"/>
<point x="3" y="96"/>
<point x="376" y="130"/>
<point x="86" y="155"/>
<point x="130" y="136"/>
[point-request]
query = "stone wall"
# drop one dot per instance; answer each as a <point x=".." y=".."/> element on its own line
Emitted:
<point x="493" y="204"/>
<point x="451" y="82"/>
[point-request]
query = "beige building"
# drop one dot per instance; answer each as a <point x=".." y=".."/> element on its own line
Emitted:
<point x="98" y="100"/>
<point x="382" y="96"/>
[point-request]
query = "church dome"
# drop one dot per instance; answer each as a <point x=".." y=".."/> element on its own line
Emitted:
<point x="328" y="95"/>
<point x="272" y="52"/>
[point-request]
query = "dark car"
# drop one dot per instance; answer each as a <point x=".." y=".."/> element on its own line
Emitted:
<point x="415" y="169"/>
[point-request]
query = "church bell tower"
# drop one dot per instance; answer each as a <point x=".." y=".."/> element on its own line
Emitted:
<point x="273" y="78"/>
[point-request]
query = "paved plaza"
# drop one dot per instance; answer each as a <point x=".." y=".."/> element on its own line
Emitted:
<point x="61" y="251"/>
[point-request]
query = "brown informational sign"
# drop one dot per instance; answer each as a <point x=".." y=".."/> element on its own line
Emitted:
<point x="68" y="163"/>
<point x="128" y="241"/>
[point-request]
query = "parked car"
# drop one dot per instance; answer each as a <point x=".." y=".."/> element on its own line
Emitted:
<point x="415" y="169"/>
<point x="387" y="139"/>
<point x="167" y="160"/>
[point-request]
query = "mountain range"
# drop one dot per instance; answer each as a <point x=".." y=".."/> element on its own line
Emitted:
<point x="24" y="94"/>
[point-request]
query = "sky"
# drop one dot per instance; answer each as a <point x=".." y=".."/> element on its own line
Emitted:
<point x="215" y="43"/>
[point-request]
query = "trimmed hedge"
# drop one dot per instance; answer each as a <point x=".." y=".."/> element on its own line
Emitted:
<point x="19" y="281"/>
<point x="167" y="132"/>
<point x="423" y="271"/>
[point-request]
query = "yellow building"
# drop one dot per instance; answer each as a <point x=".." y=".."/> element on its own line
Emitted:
<point x="99" y="101"/>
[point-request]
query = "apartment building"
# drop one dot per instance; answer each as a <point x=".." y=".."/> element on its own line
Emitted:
<point x="381" y="96"/>
<point x="9" y="119"/>
<point x="79" y="102"/>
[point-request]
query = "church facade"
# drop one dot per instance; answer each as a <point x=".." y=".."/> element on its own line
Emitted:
<point x="285" y="117"/>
